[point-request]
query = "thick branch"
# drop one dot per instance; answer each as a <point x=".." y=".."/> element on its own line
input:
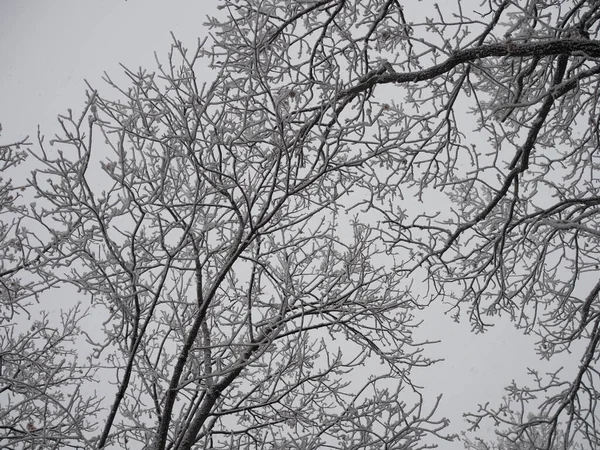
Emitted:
<point x="512" y="49"/>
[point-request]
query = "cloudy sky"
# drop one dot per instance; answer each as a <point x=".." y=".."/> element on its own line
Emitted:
<point x="47" y="50"/>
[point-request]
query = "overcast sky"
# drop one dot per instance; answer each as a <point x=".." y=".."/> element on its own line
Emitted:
<point x="48" y="48"/>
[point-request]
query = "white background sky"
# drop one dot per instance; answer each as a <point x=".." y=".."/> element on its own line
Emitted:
<point x="48" y="48"/>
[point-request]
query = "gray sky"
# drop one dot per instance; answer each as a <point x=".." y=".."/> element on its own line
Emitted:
<point x="48" y="48"/>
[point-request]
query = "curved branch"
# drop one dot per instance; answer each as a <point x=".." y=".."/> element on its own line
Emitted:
<point x="539" y="49"/>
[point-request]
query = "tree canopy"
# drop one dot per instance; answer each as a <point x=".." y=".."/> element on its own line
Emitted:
<point x="238" y="264"/>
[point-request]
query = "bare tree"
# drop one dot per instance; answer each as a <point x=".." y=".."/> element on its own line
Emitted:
<point x="523" y="437"/>
<point x="246" y="248"/>
<point x="44" y="403"/>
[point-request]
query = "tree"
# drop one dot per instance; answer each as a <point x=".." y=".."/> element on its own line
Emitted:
<point x="246" y="247"/>
<point x="524" y="438"/>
